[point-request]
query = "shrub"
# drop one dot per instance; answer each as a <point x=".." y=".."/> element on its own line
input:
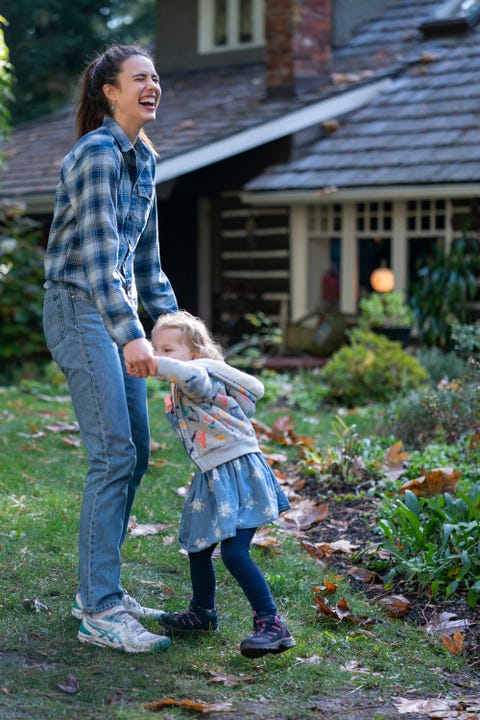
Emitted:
<point x="435" y="541"/>
<point x="385" y="310"/>
<point x="21" y="292"/>
<point x="407" y="419"/>
<point x="440" y="365"/>
<point x="370" y="368"/>
<point x="446" y="284"/>
<point x="466" y="337"/>
<point x="447" y="412"/>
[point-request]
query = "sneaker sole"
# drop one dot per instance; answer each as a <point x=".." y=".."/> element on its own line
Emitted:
<point x="159" y="646"/>
<point x="254" y="651"/>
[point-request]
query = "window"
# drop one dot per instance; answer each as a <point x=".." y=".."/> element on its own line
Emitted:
<point x="324" y="227"/>
<point x="230" y="24"/>
<point x="452" y="16"/>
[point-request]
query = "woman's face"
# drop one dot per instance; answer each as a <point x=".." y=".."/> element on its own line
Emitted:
<point x="136" y="96"/>
<point x="168" y="342"/>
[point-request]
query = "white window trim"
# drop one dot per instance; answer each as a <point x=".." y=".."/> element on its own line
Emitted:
<point x="206" y="23"/>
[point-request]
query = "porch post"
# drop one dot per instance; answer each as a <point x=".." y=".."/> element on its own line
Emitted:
<point x="298" y="262"/>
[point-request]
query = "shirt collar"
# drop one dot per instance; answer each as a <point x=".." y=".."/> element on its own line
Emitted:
<point x="122" y="139"/>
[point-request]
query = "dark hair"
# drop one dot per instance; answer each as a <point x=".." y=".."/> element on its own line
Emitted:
<point x="92" y="105"/>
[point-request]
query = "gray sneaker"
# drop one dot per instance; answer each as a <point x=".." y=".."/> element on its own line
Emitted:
<point x="128" y="602"/>
<point x="119" y="630"/>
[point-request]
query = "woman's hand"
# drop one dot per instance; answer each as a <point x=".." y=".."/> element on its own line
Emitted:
<point x="139" y="358"/>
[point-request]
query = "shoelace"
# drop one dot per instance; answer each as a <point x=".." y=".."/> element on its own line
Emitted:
<point x="261" y="628"/>
<point x="187" y="617"/>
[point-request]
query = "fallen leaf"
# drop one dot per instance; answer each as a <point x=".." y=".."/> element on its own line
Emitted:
<point x="71" y="685"/>
<point x="369" y="577"/>
<point x="73" y="441"/>
<point x="353" y="666"/>
<point x="305" y="514"/>
<point x="445" y="624"/>
<point x="453" y="644"/>
<point x="229" y="680"/>
<point x="34" y="605"/>
<point x="340" y="612"/>
<point x="263" y="539"/>
<point x="33" y="436"/>
<point x="394" y="460"/>
<point x="154" y="446"/>
<point x="56" y="398"/>
<point x="143" y="530"/>
<point x="183" y="491"/>
<point x="194" y="705"/>
<point x="157" y="463"/>
<point x="395" y="605"/>
<point x="63" y="427"/>
<point x="416" y="705"/>
<point x="322" y="550"/>
<point x="434" y="482"/>
<point x="273" y="458"/>
<point x="329" y="587"/>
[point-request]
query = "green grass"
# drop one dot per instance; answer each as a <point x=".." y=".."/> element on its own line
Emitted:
<point x="41" y="480"/>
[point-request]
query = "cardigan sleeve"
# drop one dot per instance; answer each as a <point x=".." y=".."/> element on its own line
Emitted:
<point x="193" y="379"/>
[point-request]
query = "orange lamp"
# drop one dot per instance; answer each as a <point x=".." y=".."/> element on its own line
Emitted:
<point x="382" y="280"/>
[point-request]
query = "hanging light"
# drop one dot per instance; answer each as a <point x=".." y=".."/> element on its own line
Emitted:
<point x="382" y="280"/>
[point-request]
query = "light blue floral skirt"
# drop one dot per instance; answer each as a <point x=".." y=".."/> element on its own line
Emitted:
<point x="241" y="493"/>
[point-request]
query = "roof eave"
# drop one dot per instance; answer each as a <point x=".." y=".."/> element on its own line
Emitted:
<point x="360" y="194"/>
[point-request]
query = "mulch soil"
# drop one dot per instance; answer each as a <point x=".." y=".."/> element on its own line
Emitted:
<point x="354" y="519"/>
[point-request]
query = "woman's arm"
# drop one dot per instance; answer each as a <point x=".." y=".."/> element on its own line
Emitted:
<point x="92" y="185"/>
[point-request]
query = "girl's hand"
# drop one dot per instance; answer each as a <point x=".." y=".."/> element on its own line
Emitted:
<point x="139" y="358"/>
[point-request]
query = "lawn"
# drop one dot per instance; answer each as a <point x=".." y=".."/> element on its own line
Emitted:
<point x="337" y="670"/>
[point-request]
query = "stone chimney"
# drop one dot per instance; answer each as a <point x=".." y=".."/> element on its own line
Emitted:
<point x="298" y="39"/>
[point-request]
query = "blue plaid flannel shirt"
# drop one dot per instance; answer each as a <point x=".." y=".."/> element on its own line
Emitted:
<point x="104" y="234"/>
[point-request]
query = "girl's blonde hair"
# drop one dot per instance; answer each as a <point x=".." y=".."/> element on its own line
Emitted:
<point x="194" y="334"/>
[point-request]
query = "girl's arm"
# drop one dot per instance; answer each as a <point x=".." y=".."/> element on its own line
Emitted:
<point x="193" y="379"/>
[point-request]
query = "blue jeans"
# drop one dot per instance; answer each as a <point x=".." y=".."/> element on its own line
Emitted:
<point x="111" y="409"/>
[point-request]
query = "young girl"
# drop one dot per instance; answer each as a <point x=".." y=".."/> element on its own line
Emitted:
<point x="233" y="491"/>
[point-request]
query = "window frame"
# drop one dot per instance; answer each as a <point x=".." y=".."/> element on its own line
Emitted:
<point x="206" y="24"/>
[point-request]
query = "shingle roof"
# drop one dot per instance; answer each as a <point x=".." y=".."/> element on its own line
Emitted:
<point x="200" y="108"/>
<point x="423" y="129"/>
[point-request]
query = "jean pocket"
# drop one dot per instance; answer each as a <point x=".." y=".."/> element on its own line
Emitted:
<point x="53" y="320"/>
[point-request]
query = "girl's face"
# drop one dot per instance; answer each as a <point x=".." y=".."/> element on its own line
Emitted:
<point x="168" y="342"/>
<point x="136" y="96"/>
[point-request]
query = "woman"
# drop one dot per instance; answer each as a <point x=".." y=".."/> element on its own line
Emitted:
<point x="102" y="252"/>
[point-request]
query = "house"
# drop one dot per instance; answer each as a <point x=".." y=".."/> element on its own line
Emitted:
<point x="295" y="138"/>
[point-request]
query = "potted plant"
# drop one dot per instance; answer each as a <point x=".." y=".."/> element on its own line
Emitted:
<point x="388" y="314"/>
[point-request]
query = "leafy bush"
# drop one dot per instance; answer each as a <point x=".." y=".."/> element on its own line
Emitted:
<point x="466" y="338"/>
<point x="21" y="291"/>
<point x="447" y="412"/>
<point x="385" y="310"/>
<point x="440" y="364"/>
<point x="263" y="337"/>
<point x="435" y="541"/>
<point x="407" y="419"/>
<point x="447" y="282"/>
<point x="370" y="368"/>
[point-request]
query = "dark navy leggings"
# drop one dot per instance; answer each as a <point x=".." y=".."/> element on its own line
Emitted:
<point x="235" y="552"/>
